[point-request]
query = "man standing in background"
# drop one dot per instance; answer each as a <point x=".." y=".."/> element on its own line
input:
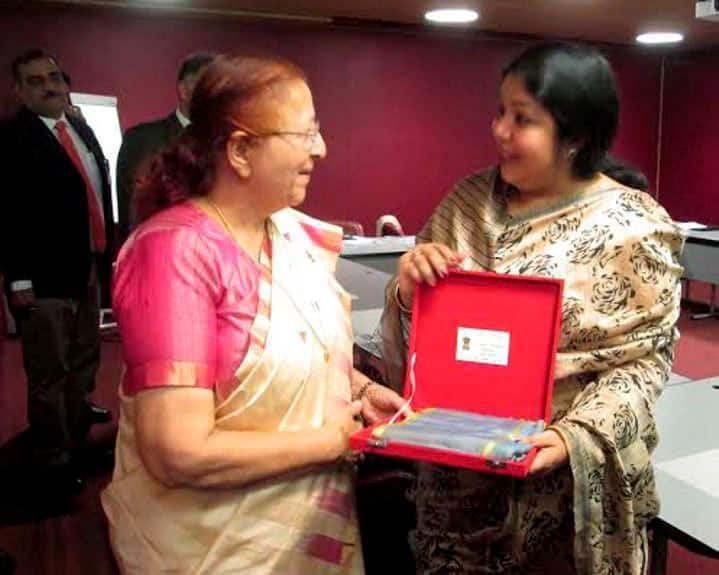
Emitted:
<point x="141" y="142"/>
<point x="55" y="233"/>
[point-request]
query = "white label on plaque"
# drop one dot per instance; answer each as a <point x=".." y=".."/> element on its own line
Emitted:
<point x="483" y="346"/>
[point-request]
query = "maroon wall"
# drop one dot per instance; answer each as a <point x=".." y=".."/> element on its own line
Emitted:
<point x="689" y="179"/>
<point x="404" y="116"/>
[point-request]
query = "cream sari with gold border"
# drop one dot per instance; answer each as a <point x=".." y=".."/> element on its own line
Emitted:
<point x="299" y="362"/>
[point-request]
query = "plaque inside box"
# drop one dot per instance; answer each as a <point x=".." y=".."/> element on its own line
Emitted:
<point x="480" y="373"/>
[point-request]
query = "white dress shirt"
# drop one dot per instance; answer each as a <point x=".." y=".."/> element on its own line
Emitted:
<point x="88" y="160"/>
<point x="184" y="120"/>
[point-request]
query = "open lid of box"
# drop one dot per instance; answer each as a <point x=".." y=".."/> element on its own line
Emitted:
<point x="485" y="343"/>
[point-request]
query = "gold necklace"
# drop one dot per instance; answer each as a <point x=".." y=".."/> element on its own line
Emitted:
<point x="230" y="231"/>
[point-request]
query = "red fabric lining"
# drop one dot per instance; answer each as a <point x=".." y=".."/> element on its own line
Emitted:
<point x="528" y="308"/>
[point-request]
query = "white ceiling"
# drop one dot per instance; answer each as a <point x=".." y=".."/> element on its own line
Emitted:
<point x="614" y="21"/>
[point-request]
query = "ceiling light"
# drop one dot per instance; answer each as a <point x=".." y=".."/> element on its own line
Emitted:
<point x="660" y="38"/>
<point x="452" y="16"/>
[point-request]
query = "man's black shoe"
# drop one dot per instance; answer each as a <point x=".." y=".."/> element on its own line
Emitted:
<point x="7" y="565"/>
<point x="98" y="414"/>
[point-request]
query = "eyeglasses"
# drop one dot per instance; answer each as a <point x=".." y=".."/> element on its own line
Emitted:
<point x="307" y="139"/>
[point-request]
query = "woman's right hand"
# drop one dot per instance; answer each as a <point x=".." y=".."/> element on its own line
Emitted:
<point x="340" y="423"/>
<point x="426" y="263"/>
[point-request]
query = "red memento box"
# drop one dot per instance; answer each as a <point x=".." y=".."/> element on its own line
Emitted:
<point x="483" y="343"/>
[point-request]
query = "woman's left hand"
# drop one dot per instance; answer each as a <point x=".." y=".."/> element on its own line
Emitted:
<point x="379" y="402"/>
<point x="552" y="452"/>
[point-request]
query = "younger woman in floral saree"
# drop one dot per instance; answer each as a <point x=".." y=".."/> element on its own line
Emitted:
<point x="548" y="210"/>
<point x="236" y="402"/>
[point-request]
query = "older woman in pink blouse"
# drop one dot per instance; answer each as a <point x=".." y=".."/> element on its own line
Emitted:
<point x="237" y="401"/>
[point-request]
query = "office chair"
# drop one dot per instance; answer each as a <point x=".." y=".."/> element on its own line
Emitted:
<point x="388" y="225"/>
<point x="349" y="227"/>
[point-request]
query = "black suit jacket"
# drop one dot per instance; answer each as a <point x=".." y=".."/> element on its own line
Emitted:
<point x="139" y="144"/>
<point x="44" y="221"/>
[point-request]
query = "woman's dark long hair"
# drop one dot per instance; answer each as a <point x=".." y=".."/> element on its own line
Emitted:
<point x="575" y="84"/>
<point x="231" y="89"/>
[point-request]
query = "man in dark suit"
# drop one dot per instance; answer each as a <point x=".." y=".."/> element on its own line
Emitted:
<point x="56" y="245"/>
<point x="141" y="142"/>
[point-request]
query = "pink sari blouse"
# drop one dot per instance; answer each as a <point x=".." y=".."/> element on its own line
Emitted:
<point x="185" y="296"/>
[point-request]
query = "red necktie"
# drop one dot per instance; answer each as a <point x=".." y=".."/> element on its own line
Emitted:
<point x="97" y="222"/>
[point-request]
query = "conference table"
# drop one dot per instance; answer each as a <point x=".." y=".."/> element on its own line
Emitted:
<point x="686" y="466"/>
<point x="380" y="253"/>
<point x="701" y="256"/>
<point x="366" y="285"/>
<point x="701" y="262"/>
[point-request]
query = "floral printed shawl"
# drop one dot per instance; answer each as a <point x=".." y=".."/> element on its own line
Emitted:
<point x="617" y="251"/>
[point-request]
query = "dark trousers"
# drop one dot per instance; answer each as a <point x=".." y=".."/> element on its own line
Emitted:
<point x="61" y="354"/>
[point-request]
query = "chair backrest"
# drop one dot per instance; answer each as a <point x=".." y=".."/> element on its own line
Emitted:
<point x="349" y="228"/>
<point x="388" y="225"/>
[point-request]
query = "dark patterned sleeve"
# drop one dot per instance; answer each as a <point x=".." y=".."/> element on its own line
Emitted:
<point x="441" y="225"/>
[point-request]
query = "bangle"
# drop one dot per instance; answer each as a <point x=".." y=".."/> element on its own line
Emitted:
<point x="398" y="301"/>
<point x="363" y="389"/>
